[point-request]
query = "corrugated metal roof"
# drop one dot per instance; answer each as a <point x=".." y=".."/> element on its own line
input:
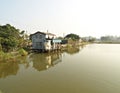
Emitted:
<point x="57" y="40"/>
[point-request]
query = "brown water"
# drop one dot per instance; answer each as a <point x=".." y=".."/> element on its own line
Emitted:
<point x="92" y="69"/>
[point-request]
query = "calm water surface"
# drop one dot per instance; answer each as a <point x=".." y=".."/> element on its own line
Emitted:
<point x="92" y="69"/>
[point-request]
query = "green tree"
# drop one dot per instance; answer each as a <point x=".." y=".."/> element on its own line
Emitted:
<point x="72" y="36"/>
<point x="24" y="40"/>
<point x="10" y="37"/>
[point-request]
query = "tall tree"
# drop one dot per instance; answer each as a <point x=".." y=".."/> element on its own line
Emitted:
<point x="9" y="37"/>
<point x="72" y="36"/>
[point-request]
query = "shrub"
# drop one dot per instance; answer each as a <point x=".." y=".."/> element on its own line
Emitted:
<point x="22" y="52"/>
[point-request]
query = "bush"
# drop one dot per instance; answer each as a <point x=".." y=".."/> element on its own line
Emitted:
<point x="4" y="56"/>
<point x="22" y="52"/>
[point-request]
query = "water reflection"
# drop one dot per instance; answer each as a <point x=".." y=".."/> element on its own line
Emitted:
<point x="8" y="68"/>
<point x="73" y="50"/>
<point x="12" y="67"/>
<point x="38" y="61"/>
<point x="45" y="61"/>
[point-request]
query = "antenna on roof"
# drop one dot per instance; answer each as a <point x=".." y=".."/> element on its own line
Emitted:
<point x="47" y="31"/>
<point x="47" y="34"/>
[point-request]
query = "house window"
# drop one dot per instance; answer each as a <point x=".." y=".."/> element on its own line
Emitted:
<point x="40" y="43"/>
<point x="36" y="36"/>
<point x="40" y="36"/>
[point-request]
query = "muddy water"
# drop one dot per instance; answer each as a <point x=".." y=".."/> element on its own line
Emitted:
<point x="92" y="69"/>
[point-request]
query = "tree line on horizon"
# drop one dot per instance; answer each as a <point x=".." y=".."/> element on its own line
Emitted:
<point x="110" y="39"/>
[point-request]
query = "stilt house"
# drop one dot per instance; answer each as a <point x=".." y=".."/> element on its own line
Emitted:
<point x="45" y="41"/>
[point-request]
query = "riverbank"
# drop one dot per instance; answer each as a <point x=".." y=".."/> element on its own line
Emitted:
<point x="73" y="45"/>
<point x="12" y="56"/>
<point x="107" y="42"/>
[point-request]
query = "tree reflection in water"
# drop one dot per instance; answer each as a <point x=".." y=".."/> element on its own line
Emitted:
<point x="11" y="67"/>
<point x="73" y="50"/>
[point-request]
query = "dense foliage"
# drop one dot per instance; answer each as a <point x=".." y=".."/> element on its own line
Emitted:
<point x="72" y="36"/>
<point x="10" y="38"/>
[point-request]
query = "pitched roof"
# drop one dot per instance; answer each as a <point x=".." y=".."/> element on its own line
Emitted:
<point x="37" y="33"/>
<point x="43" y="33"/>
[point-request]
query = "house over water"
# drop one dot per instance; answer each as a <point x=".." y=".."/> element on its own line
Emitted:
<point x="45" y="41"/>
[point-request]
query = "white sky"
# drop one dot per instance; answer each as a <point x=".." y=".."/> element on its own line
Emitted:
<point x="82" y="17"/>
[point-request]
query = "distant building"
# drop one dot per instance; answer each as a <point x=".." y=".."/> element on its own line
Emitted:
<point x="44" y="41"/>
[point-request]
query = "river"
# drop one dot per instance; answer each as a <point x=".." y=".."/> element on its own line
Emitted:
<point x="94" y="68"/>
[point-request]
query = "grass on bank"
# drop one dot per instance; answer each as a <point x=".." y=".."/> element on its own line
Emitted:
<point x="22" y="52"/>
<point x="12" y="56"/>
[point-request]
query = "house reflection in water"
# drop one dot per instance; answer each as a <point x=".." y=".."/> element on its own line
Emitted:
<point x="45" y="61"/>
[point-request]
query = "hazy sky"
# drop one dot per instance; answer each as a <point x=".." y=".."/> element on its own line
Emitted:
<point x="83" y="17"/>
